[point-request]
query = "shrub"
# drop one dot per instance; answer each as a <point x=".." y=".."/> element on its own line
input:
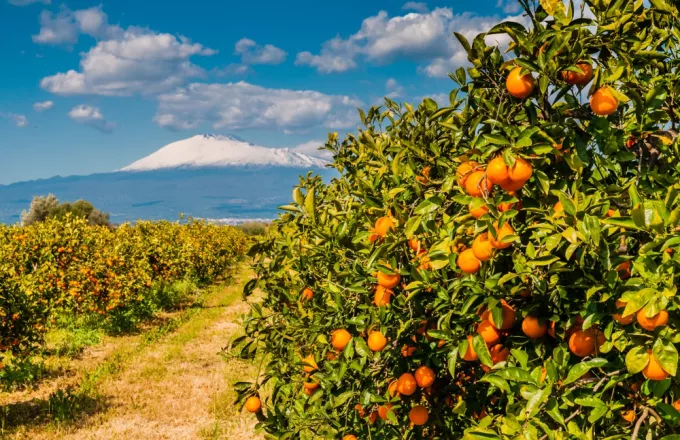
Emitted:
<point x="528" y="331"/>
<point x="44" y="207"/>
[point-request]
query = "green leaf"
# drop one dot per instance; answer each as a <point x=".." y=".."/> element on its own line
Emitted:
<point x="429" y="205"/>
<point x="496" y="139"/>
<point x="667" y="355"/>
<point x="576" y="372"/>
<point x="521" y="356"/>
<point x="515" y="374"/>
<point x="553" y="410"/>
<point x="451" y="360"/>
<point x="361" y="348"/>
<point x="482" y="350"/>
<point x="297" y="196"/>
<point x="310" y="205"/>
<point x="412" y="226"/>
<point x="498" y="382"/>
<point x="637" y="359"/>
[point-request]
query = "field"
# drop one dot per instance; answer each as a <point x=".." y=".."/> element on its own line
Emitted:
<point x="138" y="351"/>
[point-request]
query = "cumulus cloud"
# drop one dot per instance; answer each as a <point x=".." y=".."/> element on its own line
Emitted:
<point x="234" y="69"/>
<point x="253" y="53"/>
<point x="20" y="121"/>
<point x="425" y="37"/>
<point x="311" y="148"/>
<point x="242" y="105"/>
<point x="394" y="89"/>
<point x="415" y="6"/>
<point x="65" y="26"/>
<point x="92" y="117"/>
<point x="43" y="106"/>
<point x="509" y="6"/>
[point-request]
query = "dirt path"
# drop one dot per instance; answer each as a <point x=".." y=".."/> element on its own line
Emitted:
<point x="177" y="387"/>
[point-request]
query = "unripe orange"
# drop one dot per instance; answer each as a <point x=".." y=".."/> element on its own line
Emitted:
<point x="518" y="85"/>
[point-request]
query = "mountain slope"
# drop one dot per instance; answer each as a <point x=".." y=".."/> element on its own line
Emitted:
<point x="221" y="151"/>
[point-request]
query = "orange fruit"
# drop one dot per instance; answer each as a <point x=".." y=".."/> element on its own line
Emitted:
<point x="559" y="209"/>
<point x="388" y="281"/>
<point x="470" y="354"/>
<point x="508" y="316"/>
<point x="372" y="417"/>
<point x="467" y="262"/>
<point x="393" y="388"/>
<point x="658" y="320"/>
<point x="383" y="225"/>
<point x="603" y="102"/>
<point x="499" y="353"/>
<point x="360" y="410"/>
<point x="408" y="350"/>
<point x="373" y="237"/>
<point x="339" y="339"/>
<point x="414" y="244"/>
<point x="518" y="85"/>
<point x="653" y="370"/>
<point x="478" y="212"/>
<point x="505" y="206"/>
<point x="520" y="171"/>
<point x="418" y="415"/>
<point x="579" y="79"/>
<point x="406" y="385"/>
<point x="310" y="387"/>
<point x="477" y="184"/>
<point x="497" y="171"/>
<point x="631" y="142"/>
<point x="310" y="364"/>
<point x="504" y="231"/>
<point x="512" y="185"/>
<point x="621" y="319"/>
<point x="382" y="296"/>
<point x="676" y="405"/>
<point x="377" y="341"/>
<point x="350" y="437"/>
<point x="464" y="170"/>
<point x="307" y="294"/>
<point x="534" y="328"/>
<point x="582" y="343"/>
<point x="384" y="410"/>
<point x="425" y="377"/>
<point x="481" y="247"/>
<point x="628" y="416"/>
<point x="481" y="414"/>
<point x="489" y="333"/>
<point x="253" y="404"/>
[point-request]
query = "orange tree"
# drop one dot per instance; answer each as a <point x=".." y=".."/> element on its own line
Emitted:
<point x="500" y="268"/>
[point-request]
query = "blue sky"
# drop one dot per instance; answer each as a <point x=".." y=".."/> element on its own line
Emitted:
<point x="91" y="87"/>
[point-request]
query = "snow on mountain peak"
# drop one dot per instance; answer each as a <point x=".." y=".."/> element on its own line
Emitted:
<point x="212" y="150"/>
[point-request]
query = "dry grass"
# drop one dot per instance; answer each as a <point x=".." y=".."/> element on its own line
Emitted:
<point x="175" y="388"/>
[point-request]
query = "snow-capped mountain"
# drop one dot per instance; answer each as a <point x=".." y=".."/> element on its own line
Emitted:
<point x="209" y="150"/>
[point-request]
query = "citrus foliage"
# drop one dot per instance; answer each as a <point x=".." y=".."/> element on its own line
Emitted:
<point x="522" y="244"/>
<point x="69" y="267"/>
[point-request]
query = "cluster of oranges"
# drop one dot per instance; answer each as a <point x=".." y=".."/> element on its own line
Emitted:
<point x="602" y="102"/>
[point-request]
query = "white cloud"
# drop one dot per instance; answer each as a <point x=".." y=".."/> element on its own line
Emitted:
<point x="311" y="148"/>
<point x="91" y="116"/>
<point x="20" y="121"/>
<point x="234" y="69"/>
<point x="66" y="26"/>
<point x="28" y="2"/>
<point x="509" y="6"/>
<point x="138" y="62"/>
<point x="425" y="37"/>
<point x="242" y="105"/>
<point x="415" y="6"/>
<point x="253" y="53"/>
<point x="440" y="98"/>
<point x="43" y="106"/>
<point x="394" y="89"/>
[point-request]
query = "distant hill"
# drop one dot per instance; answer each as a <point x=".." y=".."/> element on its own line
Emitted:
<point x="206" y="176"/>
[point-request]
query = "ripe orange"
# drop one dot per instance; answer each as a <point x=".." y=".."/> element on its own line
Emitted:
<point x="467" y="262"/>
<point x="310" y="387"/>
<point x="505" y="206"/>
<point x="377" y="341"/>
<point x="508" y="316"/>
<point x="388" y="281"/>
<point x="658" y="320"/>
<point x="603" y="102"/>
<point x="628" y="416"/>
<point x="653" y="370"/>
<point x="464" y="170"/>
<point x="470" y="354"/>
<point x="676" y="405"/>
<point x="497" y="171"/>
<point x="408" y="350"/>
<point x="414" y="244"/>
<point x="393" y="388"/>
<point x="310" y="364"/>
<point x="477" y="184"/>
<point x="340" y="338"/>
<point x="499" y="353"/>
<point x="382" y="296"/>
<point x="489" y="333"/>
<point x="579" y="79"/>
<point x="631" y="142"/>
<point x="520" y="171"/>
<point x="418" y="415"/>
<point x="518" y="85"/>
<point x="307" y="294"/>
<point x="512" y="185"/>
<point x="384" y="410"/>
<point x="349" y="437"/>
<point x="504" y="231"/>
<point x="373" y="237"/>
<point x="481" y="247"/>
<point x="618" y="316"/>
<point x="582" y="343"/>
<point x="383" y="225"/>
<point x="406" y="384"/>
<point x="425" y="377"/>
<point x="534" y="328"/>
<point x="253" y="404"/>
<point x="478" y="212"/>
<point x="559" y="209"/>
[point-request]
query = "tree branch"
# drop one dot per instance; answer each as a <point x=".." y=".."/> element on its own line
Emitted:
<point x="639" y="423"/>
